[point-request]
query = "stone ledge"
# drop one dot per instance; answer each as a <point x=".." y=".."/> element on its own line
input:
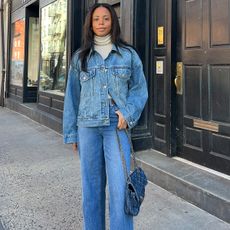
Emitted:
<point x="207" y="191"/>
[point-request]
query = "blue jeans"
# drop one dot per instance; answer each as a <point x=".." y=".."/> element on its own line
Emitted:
<point x="101" y="161"/>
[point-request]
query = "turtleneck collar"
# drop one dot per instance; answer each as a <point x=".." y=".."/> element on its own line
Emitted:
<point x="102" y="41"/>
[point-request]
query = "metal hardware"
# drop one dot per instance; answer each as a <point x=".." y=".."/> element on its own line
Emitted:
<point x="160" y="35"/>
<point x="207" y="125"/>
<point x="179" y="78"/>
<point x="160" y="67"/>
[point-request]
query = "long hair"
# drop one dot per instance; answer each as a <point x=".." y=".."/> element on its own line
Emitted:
<point x="88" y="34"/>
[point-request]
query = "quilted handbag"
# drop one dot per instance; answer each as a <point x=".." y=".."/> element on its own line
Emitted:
<point x="135" y="183"/>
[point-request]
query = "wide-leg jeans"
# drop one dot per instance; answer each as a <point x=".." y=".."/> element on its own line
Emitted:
<point x="101" y="162"/>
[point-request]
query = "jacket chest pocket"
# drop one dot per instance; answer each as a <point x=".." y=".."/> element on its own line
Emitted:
<point x="122" y="74"/>
<point x="121" y="78"/>
<point x="87" y="82"/>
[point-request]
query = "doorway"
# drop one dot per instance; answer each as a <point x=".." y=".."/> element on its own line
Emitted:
<point x="31" y="69"/>
<point x="203" y="82"/>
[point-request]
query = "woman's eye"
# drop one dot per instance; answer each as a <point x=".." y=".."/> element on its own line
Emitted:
<point x="106" y="19"/>
<point x="95" y="19"/>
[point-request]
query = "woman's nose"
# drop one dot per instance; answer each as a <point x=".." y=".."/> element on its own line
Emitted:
<point x="101" y="21"/>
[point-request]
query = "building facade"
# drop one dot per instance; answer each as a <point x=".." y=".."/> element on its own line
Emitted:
<point x="185" y="49"/>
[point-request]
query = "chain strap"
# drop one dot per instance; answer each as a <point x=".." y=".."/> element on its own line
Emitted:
<point x="123" y="155"/>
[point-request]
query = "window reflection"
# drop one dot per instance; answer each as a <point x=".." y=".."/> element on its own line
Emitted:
<point x="53" y="47"/>
<point x="17" y="52"/>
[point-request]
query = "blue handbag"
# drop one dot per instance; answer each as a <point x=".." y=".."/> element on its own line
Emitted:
<point x="135" y="183"/>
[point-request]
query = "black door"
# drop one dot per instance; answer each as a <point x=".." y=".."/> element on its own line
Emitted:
<point x="203" y="87"/>
<point x="31" y="53"/>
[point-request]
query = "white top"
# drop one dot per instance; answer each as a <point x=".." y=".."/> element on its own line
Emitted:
<point x="103" y="45"/>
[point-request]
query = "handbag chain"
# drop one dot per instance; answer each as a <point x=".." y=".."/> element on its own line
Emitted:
<point x="122" y="153"/>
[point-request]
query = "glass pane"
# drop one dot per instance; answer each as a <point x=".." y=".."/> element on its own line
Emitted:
<point x="17" y="52"/>
<point x="33" y="52"/>
<point x="53" y="47"/>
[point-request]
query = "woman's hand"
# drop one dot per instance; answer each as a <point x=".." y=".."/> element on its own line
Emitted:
<point x="74" y="146"/>
<point x="122" y="124"/>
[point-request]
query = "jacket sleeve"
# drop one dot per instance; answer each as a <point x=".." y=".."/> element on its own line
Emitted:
<point x="71" y="104"/>
<point x="138" y="93"/>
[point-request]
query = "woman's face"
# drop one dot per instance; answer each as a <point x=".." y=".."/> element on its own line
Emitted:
<point x="101" y="21"/>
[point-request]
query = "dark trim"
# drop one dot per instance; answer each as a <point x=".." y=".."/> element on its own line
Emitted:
<point x="161" y="16"/>
<point x="168" y="79"/>
<point x="8" y="50"/>
<point x="77" y="15"/>
<point x="142" y="133"/>
<point x="3" y="57"/>
<point x="26" y="48"/>
<point x="29" y="93"/>
<point x="174" y="115"/>
<point x="75" y="19"/>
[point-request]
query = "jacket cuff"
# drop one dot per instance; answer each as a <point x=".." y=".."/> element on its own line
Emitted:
<point x="70" y="138"/>
<point x="130" y="121"/>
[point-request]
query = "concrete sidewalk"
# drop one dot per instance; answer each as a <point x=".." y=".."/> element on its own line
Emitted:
<point x="40" y="185"/>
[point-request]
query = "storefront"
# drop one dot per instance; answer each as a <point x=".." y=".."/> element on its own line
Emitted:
<point x="38" y="53"/>
<point x="186" y="42"/>
<point x="43" y="35"/>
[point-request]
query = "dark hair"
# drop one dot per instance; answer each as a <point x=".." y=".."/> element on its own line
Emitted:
<point x="88" y="34"/>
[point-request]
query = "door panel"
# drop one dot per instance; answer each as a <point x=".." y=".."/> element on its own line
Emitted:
<point x="220" y="21"/>
<point x="219" y="93"/>
<point x="192" y="98"/>
<point x="193" y="24"/>
<point x="204" y="49"/>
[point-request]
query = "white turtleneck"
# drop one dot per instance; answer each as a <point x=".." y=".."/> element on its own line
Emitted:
<point x="103" y="45"/>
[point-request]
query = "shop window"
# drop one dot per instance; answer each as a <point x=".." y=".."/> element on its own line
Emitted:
<point x="17" y="52"/>
<point x="53" y="47"/>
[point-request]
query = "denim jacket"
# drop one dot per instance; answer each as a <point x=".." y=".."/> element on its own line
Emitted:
<point x="86" y="102"/>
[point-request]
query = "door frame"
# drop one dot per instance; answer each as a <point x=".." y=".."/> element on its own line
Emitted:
<point x="29" y="93"/>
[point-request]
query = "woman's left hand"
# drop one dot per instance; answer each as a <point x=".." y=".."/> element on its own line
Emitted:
<point x="122" y="124"/>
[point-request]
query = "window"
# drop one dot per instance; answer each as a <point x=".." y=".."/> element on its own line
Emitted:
<point x="17" y="52"/>
<point x="53" y="47"/>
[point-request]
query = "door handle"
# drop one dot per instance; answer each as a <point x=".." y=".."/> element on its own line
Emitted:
<point x="178" y="81"/>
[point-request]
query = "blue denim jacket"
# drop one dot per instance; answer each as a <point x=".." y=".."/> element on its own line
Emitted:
<point x="86" y="102"/>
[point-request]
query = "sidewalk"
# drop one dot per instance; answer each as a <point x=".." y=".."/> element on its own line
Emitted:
<point x="40" y="185"/>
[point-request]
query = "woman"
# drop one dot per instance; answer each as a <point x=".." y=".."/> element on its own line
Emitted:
<point x="106" y="90"/>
